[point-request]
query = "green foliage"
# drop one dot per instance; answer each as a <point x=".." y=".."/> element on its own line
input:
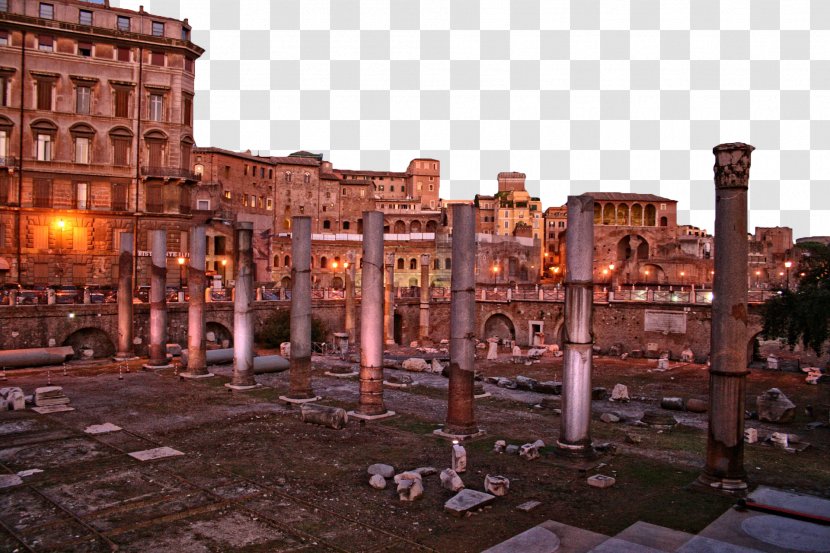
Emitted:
<point x="803" y="314"/>
<point x="277" y="329"/>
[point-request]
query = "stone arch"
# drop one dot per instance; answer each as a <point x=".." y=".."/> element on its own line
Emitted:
<point x="413" y="281"/>
<point x="415" y="227"/>
<point x="400" y="227"/>
<point x="652" y="273"/>
<point x="650" y="216"/>
<point x="90" y="342"/>
<point x="346" y="225"/>
<point x="220" y="333"/>
<point x="597" y="213"/>
<point x="401" y="263"/>
<point x="324" y="262"/>
<point x="337" y="283"/>
<point x="608" y="215"/>
<point x="636" y="215"/>
<point x="286" y="282"/>
<point x="664" y="221"/>
<point x="276" y="261"/>
<point x="432" y="226"/>
<point x="622" y="214"/>
<point x="625" y="250"/>
<point x="286" y="262"/>
<point x="413" y="264"/>
<point x="500" y="326"/>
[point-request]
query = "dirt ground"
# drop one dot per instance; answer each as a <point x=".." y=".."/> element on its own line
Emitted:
<point x="255" y="478"/>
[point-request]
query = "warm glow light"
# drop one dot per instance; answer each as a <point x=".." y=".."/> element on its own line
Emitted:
<point x="788" y="264"/>
<point x="224" y="262"/>
<point x="646" y="272"/>
<point x="334" y="264"/>
<point x="605" y="271"/>
<point x="181" y="261"/>
<point x="61" y="224"/>
<point x="757" y="273"/>
<point x="495" y="269"/>
<point x="345" y="264"/>
<point x="802" y="274"/>
<point x="611" y="266"/>
<point x="556" y="269"/>
<point x="682" y="273"/>
<point x="781" y="273"/>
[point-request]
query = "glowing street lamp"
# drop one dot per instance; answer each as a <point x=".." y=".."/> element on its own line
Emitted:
<point x="788" y="264"/>
<point x="495" y="273"/>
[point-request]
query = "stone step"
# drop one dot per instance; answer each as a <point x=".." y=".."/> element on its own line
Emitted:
<point x="616" y="545"/>
<point x="535" y="540"/>
<point x="657" y="537"/>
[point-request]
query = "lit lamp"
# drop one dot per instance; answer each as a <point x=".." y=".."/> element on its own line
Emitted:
<point x="224" y="265"/>
<point x="682" y="277"/>
<point x="495" y="273"/>
<point x="757" y="278"/>
<point x="788" y="264"/>
<point x="181" y="261"/>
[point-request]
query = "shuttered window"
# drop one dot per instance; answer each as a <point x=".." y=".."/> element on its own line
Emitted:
<point x="123" y="54"/>
<point x="42" y="193"/>
<point x="120" y="151"/>
<point x="122" y="102"/>
<point x="155" y="199"/>
<point x="119" y="197"/>
<point x="44" y="94"/>
<point x="156" y="150"/>
<point x="40" y="237"/>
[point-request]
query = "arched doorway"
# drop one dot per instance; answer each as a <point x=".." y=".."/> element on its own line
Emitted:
<point x="652" y="274"/>
<point x="415" y="227"/>
<point x="90" y="343"/>
<point x="431" y="226"/>
<point x="400" y="227"/>
<point x="218" y="335"/>
<point x="500" y="326"/>
<point x="286" y="283"/>
<point x="337" y="283"/>
<point x="627" y="245"/>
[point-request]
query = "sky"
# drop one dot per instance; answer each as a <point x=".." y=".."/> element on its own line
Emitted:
<point x="580" y="95"/>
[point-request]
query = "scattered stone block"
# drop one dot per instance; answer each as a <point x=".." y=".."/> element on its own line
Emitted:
<point x="9" y="480"/>
<point x="415" y="364"/>
<point x="550" y="403"/>
<point x="12" y="398"/>
<point x="662" y="364"/>
<point x="332" y="417"/>
<point x="499" y="446"/>
<point x="436" y="366"/>
<point x="174" y="349"/>
<point x="548" y="387"/>
<point x="658" y="419"/>
<point x="633" y="438"/>
<point x="601" y="481"/>
<point x="285" y="348"/>
<point x="687" y="355"/>
<point x="410" y="486"/>
<point x="620" y="393"/>
<point x="696" y="405"/>
<point x="780" y="439"/>
<point x="467" y="500"/>
<point x="599" y="393"/>
<point x="751" y="435"/>
<point x="511" y="449"/>
<point x="609" y="417"/>
<point x="772" y="362"/>
<point x="49" y="395"/>
<point x="377" y="481"/>
<point x="773" y="406"/>
<point x="155" y="453"/>
<point x="102" y="428"/>
<point x="539" y="444"/>
<point x="672" y="403"/>
<point x="496" y="485"/>
<point x="529" y="452"/>
<point x="450" y="480"/>
<point x="426" y="471"/>
<point x="525" y="383"/>
<point x="29" y="472"/>
<point x="528" y="506"/>
<point x="459" y="458"/>
<point x="49" y="409"/>
<point x="386" y="471"/>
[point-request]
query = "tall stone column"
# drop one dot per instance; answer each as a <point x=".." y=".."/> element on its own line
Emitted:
<point x="299" y="375"/>
<point x="125" y="298"/>
<point x="460" y="417"/>
<point x="389" y="304"/>
<point x="423" y="326"/>
<point x="158" y="301"/>
<point x="196" y="345"/>
<point x="574" y="433"/>
<point x="243" y="317"/>
<point x="350" y="303"/>
<point x="724" y="468"/>
<point x="371" y="405"/>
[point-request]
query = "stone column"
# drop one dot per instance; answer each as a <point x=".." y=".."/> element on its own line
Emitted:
<point x="724" y="469"/>
<point x="300" y="363"/>
<point x="125" y="298"/>
<point x="196" y="346"/>
<point x="158" y="301"/>
<point x="574" y="433"/>
<point x="423" y="326"/>
<point x="371" y="405"/>
<point x="389" y="304"/>
<point x="243" y="319"/>
<point x="460" y="418"/>
<point x="350" y="303"/>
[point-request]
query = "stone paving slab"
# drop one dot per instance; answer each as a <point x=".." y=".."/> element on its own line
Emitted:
<point x="616" y="545"/>
<point x="658" y="537"/>
<point x="794" y="501"/>
<point x="49" y="409"/>
<point x="9" y="480"/>
<point x="573" y="539"/>
<point x="101" y="428"/>
<point x="700" y="544"/>
<point x="535" y="540"/>
<point x="467" y="500"/>
<point x="155" y="453"/>
<point x="784" y="532"/>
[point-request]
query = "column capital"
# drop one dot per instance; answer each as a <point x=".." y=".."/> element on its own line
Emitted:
<point x="732" y="162"/>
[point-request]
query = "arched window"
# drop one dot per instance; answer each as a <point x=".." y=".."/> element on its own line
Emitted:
<point x="413" y="264"/>
<point x="431" y="226"/>
<point x="45" y="132"/>
<point x="287" y="176"/>
<point x="346" y="225"/>
<point x="436" y="264"/>
<point x="400" y="227"/>
<point x="650" y="216"/>
<point x="448" y="263"/>
<point x="286" y="262"/>
<point x="307" y="178"/>
<point x="122" y="142"/>
<point x="323" y="262"/>
<point x="186" y="150"/>
<point x="636" y="215"/>
<point x="276" y="261"/>
<point x="622" y="214"/>
<point x="415" y="227"/>
<point x="327" y="224"/>
<point x="400" y="263"/>
<point x="156" y="148"/>
<point x="597" y="214"/>
<point x="608" y="215"/>
<point x="82" y="135"/>
<point x="664" y="221"/>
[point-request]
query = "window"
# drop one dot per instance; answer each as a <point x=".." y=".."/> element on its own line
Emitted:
<point x="343" y="191"/>
<point x="156" y="107"/>
<point x="219" y="245"/>
<point x="185" y="34"/>
<point x="245" y="200"/>
<point x="4" y="192"/>
<point x="253" y="201"/>
<point x="85" y="49"/>
<point x="122" y="102"/>
<point x="327" y="224"/>
<point x="158" y="28"/>
<point x="40" y="239"/>
<point x="4" y="88"/>
<point x="448" y="263"/>
<point x="157" y="58"/>
<point x="431" y="187"/>
<point x="119" y="197"/>
<point x="4" y="38"/>
<point x="227" y="194"/>
<point x="123" y="23"/>
<point x="82" y="149"/>
<point x="307" y="178"/>
<point x="288" y="176"/>
<point x="436" y="264"/>
<point x="245" y="170"/>
<point x="123" y="53"/>
<point x="4" y="5"/>
<point x="155" y="151"/>
<point x="187" y="150"/>
<point x="187" y="110"/>
<point x="82" y="99"/>
<point x="400" y="263"/>
<point x="47" y="11"/>
<point x="270" y="173"/>
<point x="42" y="193"/>
<point x="44" y="94"/>
<point x="155" y="199"/>
<point x="85" y="17"/>
<point x="188" y="64"/>
<point x="121" y="149"/>
<point x="81" y="195"/>
<point x="203" y="205"/>
<point x="262" y="172"/>
<point x="269" y="204"/>
<point x="44" y="147"/>
<point x="45" y="43"/>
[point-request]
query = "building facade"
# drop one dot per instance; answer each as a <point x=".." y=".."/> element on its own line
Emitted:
<point x="96" y="134"/>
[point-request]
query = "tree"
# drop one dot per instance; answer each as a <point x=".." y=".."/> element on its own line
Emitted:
<point x="803" y="315"/>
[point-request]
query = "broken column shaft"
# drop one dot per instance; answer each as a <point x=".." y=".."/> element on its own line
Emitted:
<point x="196" y="344"/>
<point x="371" y="318"/>
<point x="724" y="468"/>
<point x="423" y="326"/>
<point x="350" y="311"/>
<point x="389" y="304"/>
<point x="460" y="416"/>
<point x="125" y="297"/>
<point x="574" y="433"/>
<point x="300" y="364"/>
<point x="158" y="301"/>
<point x="243" y="319"/>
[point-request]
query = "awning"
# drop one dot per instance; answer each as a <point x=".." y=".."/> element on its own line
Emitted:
<point x="4" y="264"/>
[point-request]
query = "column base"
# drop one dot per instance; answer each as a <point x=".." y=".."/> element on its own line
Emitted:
<point x="124" y="357"/>
<point x="482" y="396"/>
<point x="575" y="451"/>
<point x="389" y="343"/>
<point x="150" y="367"/>
<point x="341" y="375"/>
<point x="399" y="385"/>
<point x="239" y="388"/>
<point x="195" y="376"/>
<point x="300" y="401"/>
<point x="361" y="416"/>
<point x="461" y="436"/>
<point x="732" y="487"/>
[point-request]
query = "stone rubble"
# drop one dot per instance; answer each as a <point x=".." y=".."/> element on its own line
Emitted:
<point x="50" y="395"/>
<point x="459" y="458"/>
<point x="620" y="393"/>
<point x="499" y="446"/>
<point x="451" y="481"/>
<point x="529" y="452"/>
<point x="496" y="485"/>
<point x="467" y="500"/>
<point x="773" y="406"/>
<point x="386" y="471"/>
<point x="609" y="417"/>
<point x="751" y="435"/>
<point x="12" y="398"/>
<point x="415" y="364"/>
<point x="601" y="481"/>
<point x="409" y="488"/>
<point x="377" y="481"/>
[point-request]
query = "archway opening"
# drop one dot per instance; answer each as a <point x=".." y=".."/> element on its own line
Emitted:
<point x="499" y="326"/>
<point x="90" y="343"/>
<point x="218" y="336"/>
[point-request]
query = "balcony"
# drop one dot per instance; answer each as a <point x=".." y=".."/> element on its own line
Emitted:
<point x="8" y="161"/>
<point x="170" y="173"/>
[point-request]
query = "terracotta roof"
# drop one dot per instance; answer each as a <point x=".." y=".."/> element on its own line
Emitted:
<point x="627" y="197"/>
<point x="362" y="182"/>
<point x="295" y="161"/>
<point x="329" y="176"/>
<point x="373" y="173"/>
<point x="222" y="151"/>
<point x="511" y="175"/>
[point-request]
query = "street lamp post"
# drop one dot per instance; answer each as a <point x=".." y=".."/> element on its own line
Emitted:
<point x="495" y="274"/>
<point x="788" y="264"/>
<point x="181" y="261"/>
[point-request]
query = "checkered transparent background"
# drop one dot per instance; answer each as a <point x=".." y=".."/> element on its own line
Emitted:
<point x="611" y="95"/>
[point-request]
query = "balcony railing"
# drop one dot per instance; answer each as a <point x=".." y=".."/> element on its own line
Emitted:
<point x="170" y="172"/>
